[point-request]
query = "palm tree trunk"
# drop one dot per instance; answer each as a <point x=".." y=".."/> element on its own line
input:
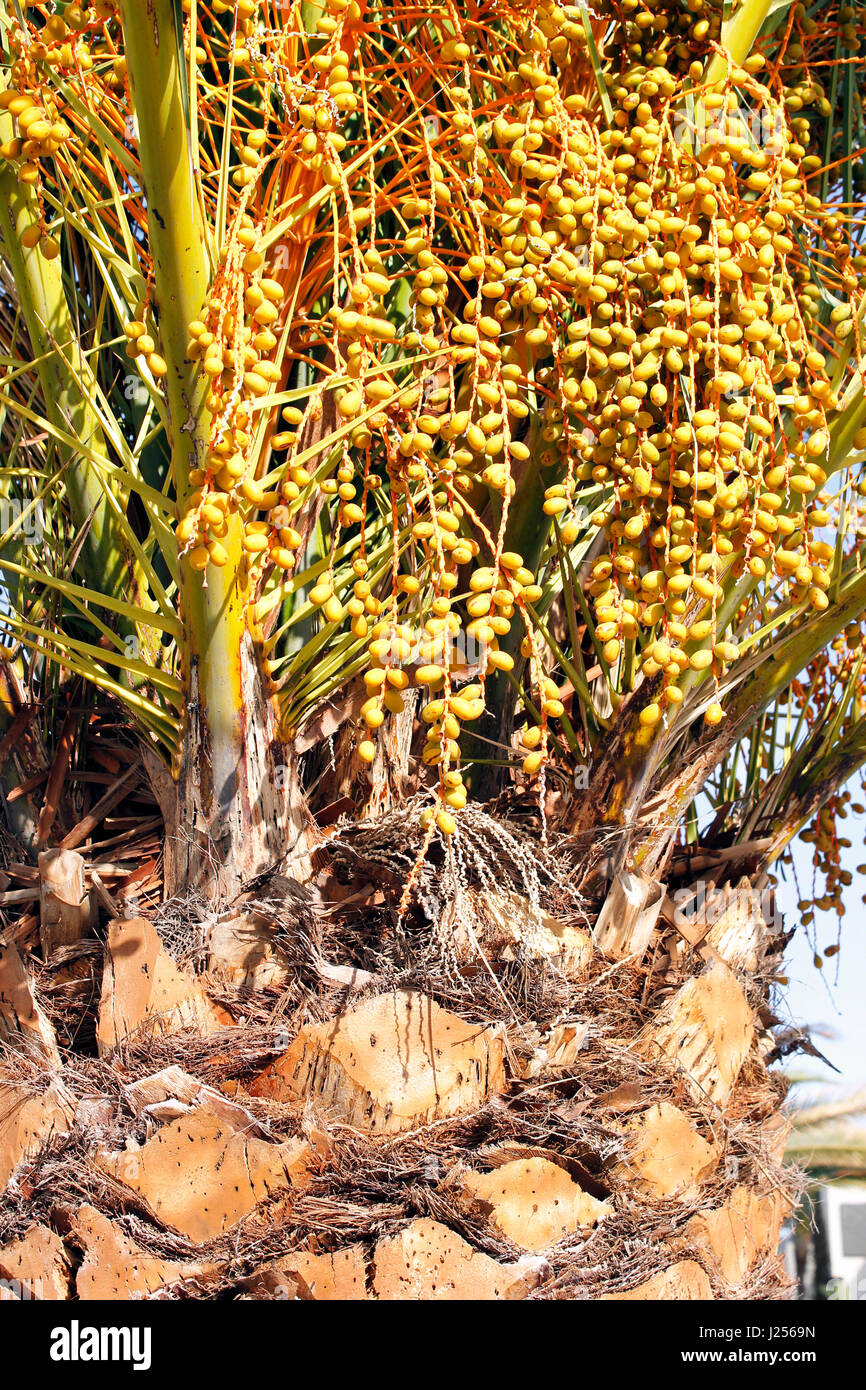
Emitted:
<point x="496" y="1100"/>
<point x="237" y="810"/>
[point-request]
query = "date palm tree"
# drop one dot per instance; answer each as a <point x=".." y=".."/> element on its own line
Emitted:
<point x="432" y="443"/>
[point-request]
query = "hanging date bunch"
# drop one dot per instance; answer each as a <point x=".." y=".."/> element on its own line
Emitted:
<point x="494" y="286"/>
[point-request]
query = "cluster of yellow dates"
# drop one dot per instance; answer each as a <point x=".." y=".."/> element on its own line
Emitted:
<point x="234" y="344"/>
<point x="70" y="41"/>
<point x="607" y="288"/>
<point x="641" y="279"/>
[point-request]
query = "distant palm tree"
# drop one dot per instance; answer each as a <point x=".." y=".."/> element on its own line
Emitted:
<point x="828" y="1139"/>
<point x="827" y="1142"/>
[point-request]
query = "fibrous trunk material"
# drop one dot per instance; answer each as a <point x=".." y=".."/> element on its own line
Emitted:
<point x="239" y="810"/>
<point x="475" y="1096"/>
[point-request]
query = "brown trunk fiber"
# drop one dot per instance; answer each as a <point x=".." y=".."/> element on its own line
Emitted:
<point x="483" y="1101"/>
<point x="237" y="811"/>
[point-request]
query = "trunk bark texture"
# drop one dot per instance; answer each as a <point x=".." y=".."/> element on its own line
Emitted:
<point x="504" y="1090"/>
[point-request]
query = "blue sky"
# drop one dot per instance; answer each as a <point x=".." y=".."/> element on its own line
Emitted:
<point x="833" y="998"/>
